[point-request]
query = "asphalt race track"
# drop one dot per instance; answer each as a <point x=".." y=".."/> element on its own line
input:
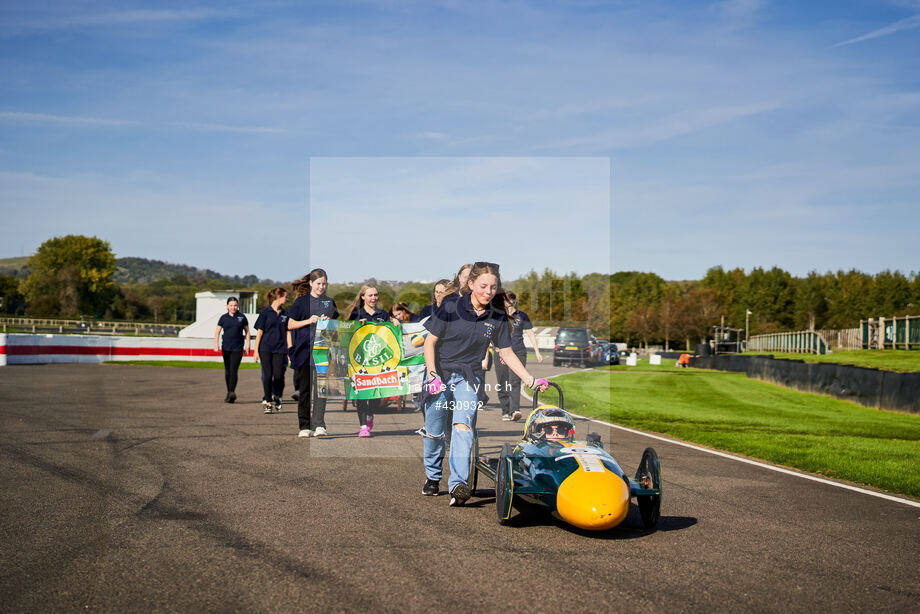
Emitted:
<point x="128" y="489"/>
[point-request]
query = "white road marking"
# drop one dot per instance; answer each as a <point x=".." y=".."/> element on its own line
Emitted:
<point x="740" y="459"/>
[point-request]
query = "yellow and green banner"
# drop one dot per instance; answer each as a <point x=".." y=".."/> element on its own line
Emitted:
<point x="369" y="361"/>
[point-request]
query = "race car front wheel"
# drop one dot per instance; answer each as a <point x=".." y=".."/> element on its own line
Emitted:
<point x="648" y="475"/>
<point x="504" y="485"/>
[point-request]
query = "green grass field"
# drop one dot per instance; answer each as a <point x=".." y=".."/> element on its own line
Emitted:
<point x="188" y="364"/>
<point x="905" y="361"/>
<point x="730" y="412"/>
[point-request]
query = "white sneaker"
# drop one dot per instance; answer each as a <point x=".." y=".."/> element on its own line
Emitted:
<point x="320" y="431"/>
<point x="266" y="407"/>
<point x="305" y="433"/>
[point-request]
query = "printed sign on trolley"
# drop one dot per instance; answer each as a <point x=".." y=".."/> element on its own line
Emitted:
<point x="369" y="361"/>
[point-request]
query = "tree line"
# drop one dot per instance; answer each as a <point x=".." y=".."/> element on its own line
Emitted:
<point x="643" y="308"/>
<point x="75" y="276"/>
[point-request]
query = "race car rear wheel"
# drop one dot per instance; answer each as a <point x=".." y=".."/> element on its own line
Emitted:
<point x="504" y="485"/>
<point x="648" y="475"/>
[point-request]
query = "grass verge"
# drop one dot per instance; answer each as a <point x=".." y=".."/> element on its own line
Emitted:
<point x="904" y="361"/>
<point x="730" y="412"/>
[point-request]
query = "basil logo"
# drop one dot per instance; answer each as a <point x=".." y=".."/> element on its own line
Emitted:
<point x="373" y="352"/>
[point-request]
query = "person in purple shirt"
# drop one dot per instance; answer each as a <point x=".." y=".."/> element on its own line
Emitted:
<point x="234" y="326"/>
<point x="364" y="309"/>
<point x="311" y="306"/>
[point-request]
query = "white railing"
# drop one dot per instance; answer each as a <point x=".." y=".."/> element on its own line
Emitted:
<point x="842" y="339"/>
<point x="804" y="342"/>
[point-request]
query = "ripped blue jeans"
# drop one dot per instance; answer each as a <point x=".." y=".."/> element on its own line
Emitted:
<point x="460" y="397"/>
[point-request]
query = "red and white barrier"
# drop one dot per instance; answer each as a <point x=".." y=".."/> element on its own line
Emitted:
<point x="21" y="349"/>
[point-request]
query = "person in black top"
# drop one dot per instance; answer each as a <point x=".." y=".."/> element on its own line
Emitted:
<point x="509" y="384"/>
<point x="364" y="309"/>
<point x="271" y="349"/>
<point x="437" y="293"/>
<point x="234" y="326"/>
<point x="458" y="286"/>
<point x="403" y="315"/>
<point x="459" y="333"/>
<point x="311" y="306"/>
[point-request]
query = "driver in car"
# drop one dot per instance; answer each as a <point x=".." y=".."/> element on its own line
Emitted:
<point x="552" y="423"/>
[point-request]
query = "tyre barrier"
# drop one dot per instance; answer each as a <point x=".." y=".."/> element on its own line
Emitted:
<point x="867" y="387"/>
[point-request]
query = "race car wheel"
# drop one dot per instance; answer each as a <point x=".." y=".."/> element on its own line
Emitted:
<point x="504" y="485"/>
<point x="648" y="475"/>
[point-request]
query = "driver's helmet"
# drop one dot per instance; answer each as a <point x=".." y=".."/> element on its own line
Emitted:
<point x="552" y="423"/>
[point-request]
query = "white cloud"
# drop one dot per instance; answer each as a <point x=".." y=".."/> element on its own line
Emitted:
<point x="206" y="127"/>
<point x="17" y="116"/>
<point x="907" y="23"/>
<point x="65" y="17"/>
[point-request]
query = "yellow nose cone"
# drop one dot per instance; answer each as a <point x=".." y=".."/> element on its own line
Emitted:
<point x="593" y="500"/>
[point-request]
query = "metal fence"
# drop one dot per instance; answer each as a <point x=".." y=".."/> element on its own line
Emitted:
<point x="891" y="333"/>
<point x="842" y="339"/>
<point x="804" y="342"/>
<point x="89" y="327"/>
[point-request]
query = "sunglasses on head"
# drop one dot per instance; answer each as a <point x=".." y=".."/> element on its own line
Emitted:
<point x="481" y="265"/>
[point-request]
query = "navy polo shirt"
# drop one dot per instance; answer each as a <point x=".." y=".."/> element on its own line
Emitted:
<point x="233" y="331"/>
<point x="274" y="328"/>
<point x="464" y="336"/>
<point x="302" y="350"/>
<point x="361" y="314"/>
<point x="521" y="323"/>
<point x="426" y="311"/>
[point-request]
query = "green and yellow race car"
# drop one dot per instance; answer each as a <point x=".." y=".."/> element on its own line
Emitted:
<point x="578" y="480"/>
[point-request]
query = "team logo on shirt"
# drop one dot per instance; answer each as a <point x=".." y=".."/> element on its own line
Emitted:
<point x="488" y="326"/>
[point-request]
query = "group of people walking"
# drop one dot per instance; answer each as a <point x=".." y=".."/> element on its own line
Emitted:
<point x="468" y="318"/>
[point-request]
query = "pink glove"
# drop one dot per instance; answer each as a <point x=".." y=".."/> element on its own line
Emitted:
<point x="542" y="384"/>
<point x="436" y="385"/>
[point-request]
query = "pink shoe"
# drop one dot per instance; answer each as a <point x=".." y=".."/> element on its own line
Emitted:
<point x="364" y="432"/>
<point x="370" y="422"/>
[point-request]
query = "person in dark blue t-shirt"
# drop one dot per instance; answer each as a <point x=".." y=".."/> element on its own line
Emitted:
<point x="311" y="306"/>
<point x="458" y="286"/>
<point x="364" y="309"/>
<point x="437" y="293"/>
<point x="234" y="326"/>
<point x="271" y="348"/>
<point x="509" y="384"/>
<point x="459" y="333"/>
<point x="403" y="315"/>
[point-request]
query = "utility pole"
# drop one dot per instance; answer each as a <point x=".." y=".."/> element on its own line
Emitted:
<point x="747" y="320"/>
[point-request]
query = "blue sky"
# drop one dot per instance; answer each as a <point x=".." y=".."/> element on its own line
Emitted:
<point x="259" y="138"/>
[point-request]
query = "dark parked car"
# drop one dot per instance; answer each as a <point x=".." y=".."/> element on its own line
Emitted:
<point x="573" y="345"/>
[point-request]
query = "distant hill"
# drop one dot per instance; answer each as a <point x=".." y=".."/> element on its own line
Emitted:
<point x="14" y="267"/>
<point x="144" y="271"/>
